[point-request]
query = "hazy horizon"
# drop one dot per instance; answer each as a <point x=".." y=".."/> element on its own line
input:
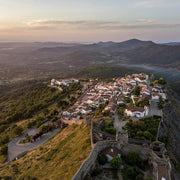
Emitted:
<point x="89" y="21"/>
<point x="85" y="42"/>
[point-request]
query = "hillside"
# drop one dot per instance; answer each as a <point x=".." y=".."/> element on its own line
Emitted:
<point x="131" y="51"/>
<point x="45" y="60"/>
<point x="59" y="158"/>
<point x="29" y="104"/>
<point x="103" y="72"/>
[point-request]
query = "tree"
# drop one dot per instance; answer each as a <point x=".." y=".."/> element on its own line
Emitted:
<point x="4" y="150"/>
<point x="133" y="158"/>
<point x="161" y="81"/>
<point x="144" y="102"/>
<point x="43" y="128"/>
<point x="102" y="159"/>
<point x="4" y="139"/>
<point x="29" y="124"/>
<point x="155" y="82"/>
<point x="148" y="135"/>
<point x="121" y="112"/>
<point x="137" y="91"/>
<point x="17" y="130"/>
<point x="133" y="172"/>
<point x="116" y="162"/>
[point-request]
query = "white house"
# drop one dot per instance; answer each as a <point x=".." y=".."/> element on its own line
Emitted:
<point x="163" y="95"/>
<point x="132" y="82"/>
<point x="64" y="82"/>
<point x="134" y="111"/>
<point x="155" y="96"/>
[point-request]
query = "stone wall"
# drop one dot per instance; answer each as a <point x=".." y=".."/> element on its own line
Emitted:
<point x="144" y="152"/>
<point x="155" y="160"/>
<point x="89" y="163"/>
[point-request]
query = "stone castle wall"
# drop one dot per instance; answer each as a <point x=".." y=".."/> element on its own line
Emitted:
<point x="89" y="163"/>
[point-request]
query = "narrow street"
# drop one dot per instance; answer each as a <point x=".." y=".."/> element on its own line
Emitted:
<point x="154" y="110"/>
<point x="118" y="123"/>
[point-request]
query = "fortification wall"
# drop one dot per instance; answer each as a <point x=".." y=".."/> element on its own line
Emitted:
<point x="90" y="161"/>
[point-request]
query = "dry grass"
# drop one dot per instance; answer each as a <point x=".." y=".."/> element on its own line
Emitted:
<point x="59" y="158"/>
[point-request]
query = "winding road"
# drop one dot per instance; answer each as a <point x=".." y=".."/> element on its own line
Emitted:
<point x="16" y="150"/>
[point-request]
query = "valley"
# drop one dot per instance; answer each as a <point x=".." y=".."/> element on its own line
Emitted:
<point x="30" y="61"/>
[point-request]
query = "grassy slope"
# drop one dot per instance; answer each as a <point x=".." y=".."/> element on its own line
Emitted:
<point x="59" y="158"/>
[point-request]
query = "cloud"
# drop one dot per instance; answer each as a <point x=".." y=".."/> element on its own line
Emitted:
<point x="83" y="25"/>
<point x="145" y="20"/>
<point x="102" y="25"/>
<point x="156" y="3"/>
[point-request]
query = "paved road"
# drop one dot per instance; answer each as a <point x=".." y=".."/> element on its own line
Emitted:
<point x="118" y="123"/>
<point x="153" y="109"/>
<point x="15" y="149"/>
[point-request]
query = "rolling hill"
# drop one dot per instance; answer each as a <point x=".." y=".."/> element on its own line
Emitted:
<point x="27" y="61"/>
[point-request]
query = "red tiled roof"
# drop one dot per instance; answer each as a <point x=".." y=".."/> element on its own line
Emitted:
<point x="112" y="151"/>
<point x="135" y="108"/>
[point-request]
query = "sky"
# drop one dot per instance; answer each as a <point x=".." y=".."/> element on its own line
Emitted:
<point x="89" y="20"/>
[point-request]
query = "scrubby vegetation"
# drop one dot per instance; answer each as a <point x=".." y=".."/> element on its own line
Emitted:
<point x="29" y="104"/>
<point x="144" y="129"/>
<point x="133" y="167"/>
<point x="159" y="81"/>
<point x="108" y="126"/>
<point x="104" y="72"/>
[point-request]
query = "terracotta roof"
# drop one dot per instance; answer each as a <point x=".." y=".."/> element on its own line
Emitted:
<point x="135" y="108"/>
<point x="111" y="151"/>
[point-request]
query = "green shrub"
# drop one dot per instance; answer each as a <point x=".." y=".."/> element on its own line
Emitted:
<point x="43" y="128"/>
<point x="133" y="173"/>
<point x="133" y="158"/>
<point x="110" y="130"/>
<point x="116" y="162"/>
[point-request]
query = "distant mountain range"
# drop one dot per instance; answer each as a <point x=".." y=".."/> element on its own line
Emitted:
<point x="43" y="60"/>
<point x="132" y="51"/>
<point x="173" y="43"/>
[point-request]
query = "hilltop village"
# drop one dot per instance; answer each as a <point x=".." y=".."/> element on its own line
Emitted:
<point x="125" y="115"/>
<point x="132" y="91"/>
